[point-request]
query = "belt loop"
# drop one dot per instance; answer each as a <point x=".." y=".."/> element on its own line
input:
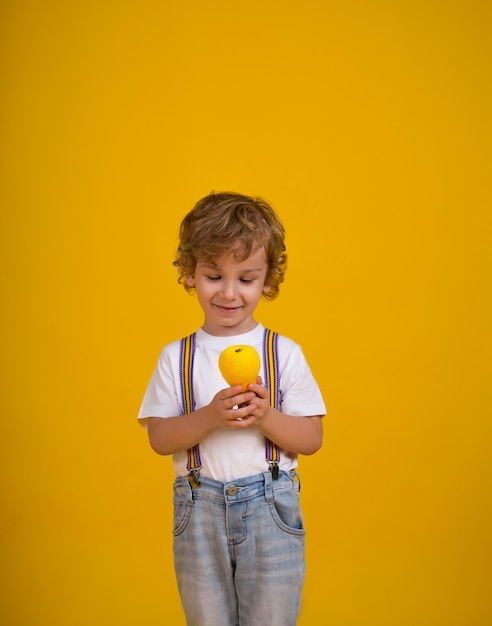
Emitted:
<point x="190" y="493"/>
<point x="182" y="489"/>
<point x="268" y="486"/>
<point x="189" y="490"/>
<point x="297" y="478"/>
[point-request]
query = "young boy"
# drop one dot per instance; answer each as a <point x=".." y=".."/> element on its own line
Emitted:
<point x="238" y="528"/>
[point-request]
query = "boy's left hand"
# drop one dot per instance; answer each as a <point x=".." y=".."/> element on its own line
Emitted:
<point x="261" y="402"/>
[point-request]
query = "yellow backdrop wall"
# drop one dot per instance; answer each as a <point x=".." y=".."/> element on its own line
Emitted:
<point x="366" y="125"/>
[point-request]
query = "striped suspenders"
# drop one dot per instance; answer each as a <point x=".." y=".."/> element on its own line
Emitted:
<point x="186" y="358"/>
<point x="271" y="382"/>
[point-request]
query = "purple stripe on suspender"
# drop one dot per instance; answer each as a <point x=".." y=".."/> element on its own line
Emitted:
<point x="187" y="357"/>
<point x="271" y="367"/>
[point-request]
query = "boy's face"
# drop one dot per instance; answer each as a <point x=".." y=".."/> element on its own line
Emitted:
<point x="229" y="291"/>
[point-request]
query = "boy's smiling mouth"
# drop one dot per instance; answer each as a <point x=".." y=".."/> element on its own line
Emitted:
<point x="227" y="309"/>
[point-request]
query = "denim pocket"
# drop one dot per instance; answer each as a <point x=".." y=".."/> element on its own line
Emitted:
<point x="286" y="509"/>
<point x="181" y="517"/>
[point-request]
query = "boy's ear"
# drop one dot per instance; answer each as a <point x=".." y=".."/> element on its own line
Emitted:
<point x="266" y="288"/>
<point x="190" y="280"/>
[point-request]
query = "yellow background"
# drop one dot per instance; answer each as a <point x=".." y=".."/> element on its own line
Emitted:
<point x="366" y="125"/>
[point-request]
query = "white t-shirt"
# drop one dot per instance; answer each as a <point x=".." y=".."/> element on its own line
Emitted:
<point x="227" y="453"/>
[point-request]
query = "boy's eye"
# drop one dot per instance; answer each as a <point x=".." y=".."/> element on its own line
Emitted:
<point x="247" y="281"/>
<point x="213" y="277"/>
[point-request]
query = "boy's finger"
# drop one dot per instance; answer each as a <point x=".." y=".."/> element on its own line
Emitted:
<point x="259" y="390"/>
<point x="242" y="422"/>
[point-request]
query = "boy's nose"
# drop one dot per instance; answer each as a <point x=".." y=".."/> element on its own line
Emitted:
<point x="229" y="291"/>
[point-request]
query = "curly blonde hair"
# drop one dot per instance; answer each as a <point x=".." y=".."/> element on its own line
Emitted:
<point x="224" y="222"/>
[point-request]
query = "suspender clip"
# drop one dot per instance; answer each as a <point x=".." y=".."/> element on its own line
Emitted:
<point x="194" y="478"/>
<point x="273" y="466"/>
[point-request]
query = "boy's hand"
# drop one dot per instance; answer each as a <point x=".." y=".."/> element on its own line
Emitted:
<point x="260" y="404"/>
<point x="223" y="406"/>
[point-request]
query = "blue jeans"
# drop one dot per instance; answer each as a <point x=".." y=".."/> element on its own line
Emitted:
<point x="239" y="550"/>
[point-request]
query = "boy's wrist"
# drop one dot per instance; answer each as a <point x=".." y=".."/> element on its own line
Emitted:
<point x="208" y="418"/>
<point x="264" y="419"/>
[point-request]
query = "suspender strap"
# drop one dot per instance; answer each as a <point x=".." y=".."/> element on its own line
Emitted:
<point x="271" y="369"/>
<point x="187" y="355"/>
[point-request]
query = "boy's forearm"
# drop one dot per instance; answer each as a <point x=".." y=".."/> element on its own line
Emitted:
<point x="174" y="434"/>
<point x="301" y="435"/>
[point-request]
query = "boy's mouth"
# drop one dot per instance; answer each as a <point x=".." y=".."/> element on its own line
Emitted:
<point x="227" y="310"/>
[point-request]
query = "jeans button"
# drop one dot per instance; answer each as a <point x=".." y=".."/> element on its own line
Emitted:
<point x="231" y="490"/>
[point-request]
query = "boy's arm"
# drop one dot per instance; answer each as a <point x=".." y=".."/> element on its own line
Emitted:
<point x="174" y="434"/>
<point x="298" y="434"/>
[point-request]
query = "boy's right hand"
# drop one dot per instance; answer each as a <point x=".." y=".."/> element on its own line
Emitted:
<point x="231" y="408"/>
<point x="175" y="434"/>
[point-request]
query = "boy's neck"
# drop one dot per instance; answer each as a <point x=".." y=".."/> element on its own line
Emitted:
<point x="228" y="332"/>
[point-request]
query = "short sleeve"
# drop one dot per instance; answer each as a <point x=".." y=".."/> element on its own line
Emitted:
<point x="299" y="391"/>
<point x="161" y="398"/>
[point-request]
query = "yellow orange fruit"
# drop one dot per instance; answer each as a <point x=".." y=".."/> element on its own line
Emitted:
<point x="239" y="365"/>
